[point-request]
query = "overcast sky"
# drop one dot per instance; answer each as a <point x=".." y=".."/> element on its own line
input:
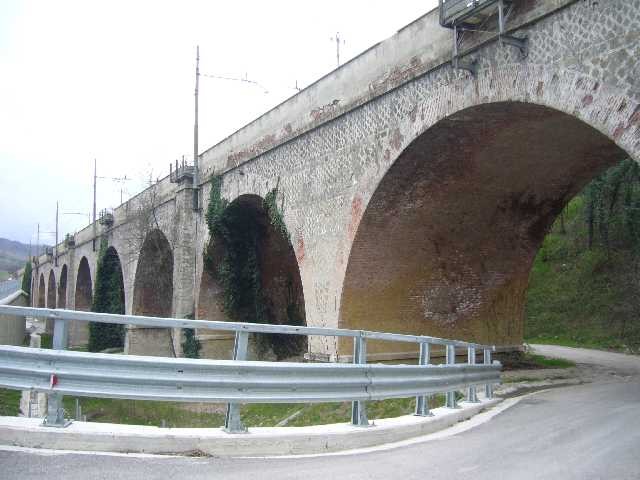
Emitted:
<point x="113" y="80"/>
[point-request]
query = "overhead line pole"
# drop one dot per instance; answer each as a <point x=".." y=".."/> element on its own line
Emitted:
<point x="56" y="258"/>
<point x="95" y="178"/>
<point x="196" y="173"/>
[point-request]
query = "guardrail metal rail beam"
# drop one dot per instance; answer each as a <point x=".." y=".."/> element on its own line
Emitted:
<point x="58" y="372"/>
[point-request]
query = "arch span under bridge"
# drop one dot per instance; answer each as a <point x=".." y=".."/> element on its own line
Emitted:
<point x="414" y="194"/>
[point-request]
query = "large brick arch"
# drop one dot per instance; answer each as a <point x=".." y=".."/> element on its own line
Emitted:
<point x="441" y="238"/>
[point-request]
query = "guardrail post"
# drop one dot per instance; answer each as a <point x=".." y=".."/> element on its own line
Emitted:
<point x="488" y="388"/>
<point x="233" y="422"/>
<point x="55" y="410"/>
<point x="422" y="401"/>
<point x="451" y="360"/>
<point x="359" y="407"/>
<point x="472" y="394"/>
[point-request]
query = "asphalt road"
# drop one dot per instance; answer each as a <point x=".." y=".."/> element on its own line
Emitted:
<point x="589" y="431"/>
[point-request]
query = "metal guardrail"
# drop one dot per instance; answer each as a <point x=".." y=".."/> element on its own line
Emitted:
<point x="164" y="322"/>
<point x="189" y="380"/>
<point x="58" y="372"/>
<point x="8" y="287"/>
<point x="6" y="300"/>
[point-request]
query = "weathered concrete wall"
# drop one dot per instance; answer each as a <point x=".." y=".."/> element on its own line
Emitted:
<point x="12" y="328"/>
<point x="33" y="404"/>
<point x="415" y="194"/>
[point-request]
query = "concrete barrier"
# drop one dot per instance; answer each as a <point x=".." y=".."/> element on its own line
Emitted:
<point x="107" y="437"/>
<point x="12" y="328"/>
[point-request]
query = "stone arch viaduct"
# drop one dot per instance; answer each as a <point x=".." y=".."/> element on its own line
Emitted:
<point x="415" y="195"/>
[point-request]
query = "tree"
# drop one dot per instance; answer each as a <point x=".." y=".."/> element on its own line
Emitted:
<point x="26" y="279"/>
<point x="108" y="298"/>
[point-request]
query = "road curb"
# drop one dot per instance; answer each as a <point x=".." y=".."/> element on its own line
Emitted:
<point x="106" y="437"/>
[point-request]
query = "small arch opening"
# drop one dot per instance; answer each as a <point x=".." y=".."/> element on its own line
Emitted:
<point x="62" y="288"/>
<point x="51" y="290"/>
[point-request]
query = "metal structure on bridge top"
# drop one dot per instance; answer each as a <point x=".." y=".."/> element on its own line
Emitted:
<point x="236" y="381"/>
<point x="478" y="16"/>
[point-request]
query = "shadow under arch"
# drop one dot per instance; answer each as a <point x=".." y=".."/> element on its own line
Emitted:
<point x="51" y="290"/>
<point x="251" y="274"/>
<point x="447" y="240"/>
<point x="62" y="287"/>
<point x="84" y="286"/>
<point x="153" y="296"/>
<point x="83" y="298"/>
<point x="41" y="292"/>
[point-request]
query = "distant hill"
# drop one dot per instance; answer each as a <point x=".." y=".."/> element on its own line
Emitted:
<point x="13" y="255"/>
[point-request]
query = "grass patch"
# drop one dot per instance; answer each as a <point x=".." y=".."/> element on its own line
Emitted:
<point x="528" y="361"/>
<point x="141" y="412"/>
<point x="263" y="415"/>
<point x="9" y="402"/>
<point x="547" y="362"/>
<point x="46" y="340"/>
<point x="267" y="414"/>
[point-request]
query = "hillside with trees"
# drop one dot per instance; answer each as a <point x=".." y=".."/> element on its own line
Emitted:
<point x="584" y="287"/>
<point x="14" y="254"/>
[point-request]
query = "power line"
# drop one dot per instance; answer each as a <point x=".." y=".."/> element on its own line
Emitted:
<point x="246" y="79"/>
<point x="237" y="79"/>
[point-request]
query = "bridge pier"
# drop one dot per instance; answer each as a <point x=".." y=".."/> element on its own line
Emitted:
<point x="164" y="280"/>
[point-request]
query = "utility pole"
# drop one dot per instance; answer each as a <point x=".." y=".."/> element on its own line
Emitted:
<point x="37" y="262"/>
<point x="338" y="40"/>
<point x="196" y="176"/>
<point x="56" y="257"/>
<point x="95" y="178"/>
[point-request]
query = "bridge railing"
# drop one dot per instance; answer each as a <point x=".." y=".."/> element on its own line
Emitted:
<point x="57" y="372"/>
<point x="457" y="11"/>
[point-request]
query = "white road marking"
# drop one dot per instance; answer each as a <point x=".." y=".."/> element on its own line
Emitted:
<point x="473" y="422"/>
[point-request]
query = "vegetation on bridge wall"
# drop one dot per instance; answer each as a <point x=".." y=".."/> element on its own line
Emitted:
<point x="108" y="298"/>
<point x="585" y="283"/>
<point x="236" y="257"/>
<point x="26" y="280"/>
<point x="190" y="345"/>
